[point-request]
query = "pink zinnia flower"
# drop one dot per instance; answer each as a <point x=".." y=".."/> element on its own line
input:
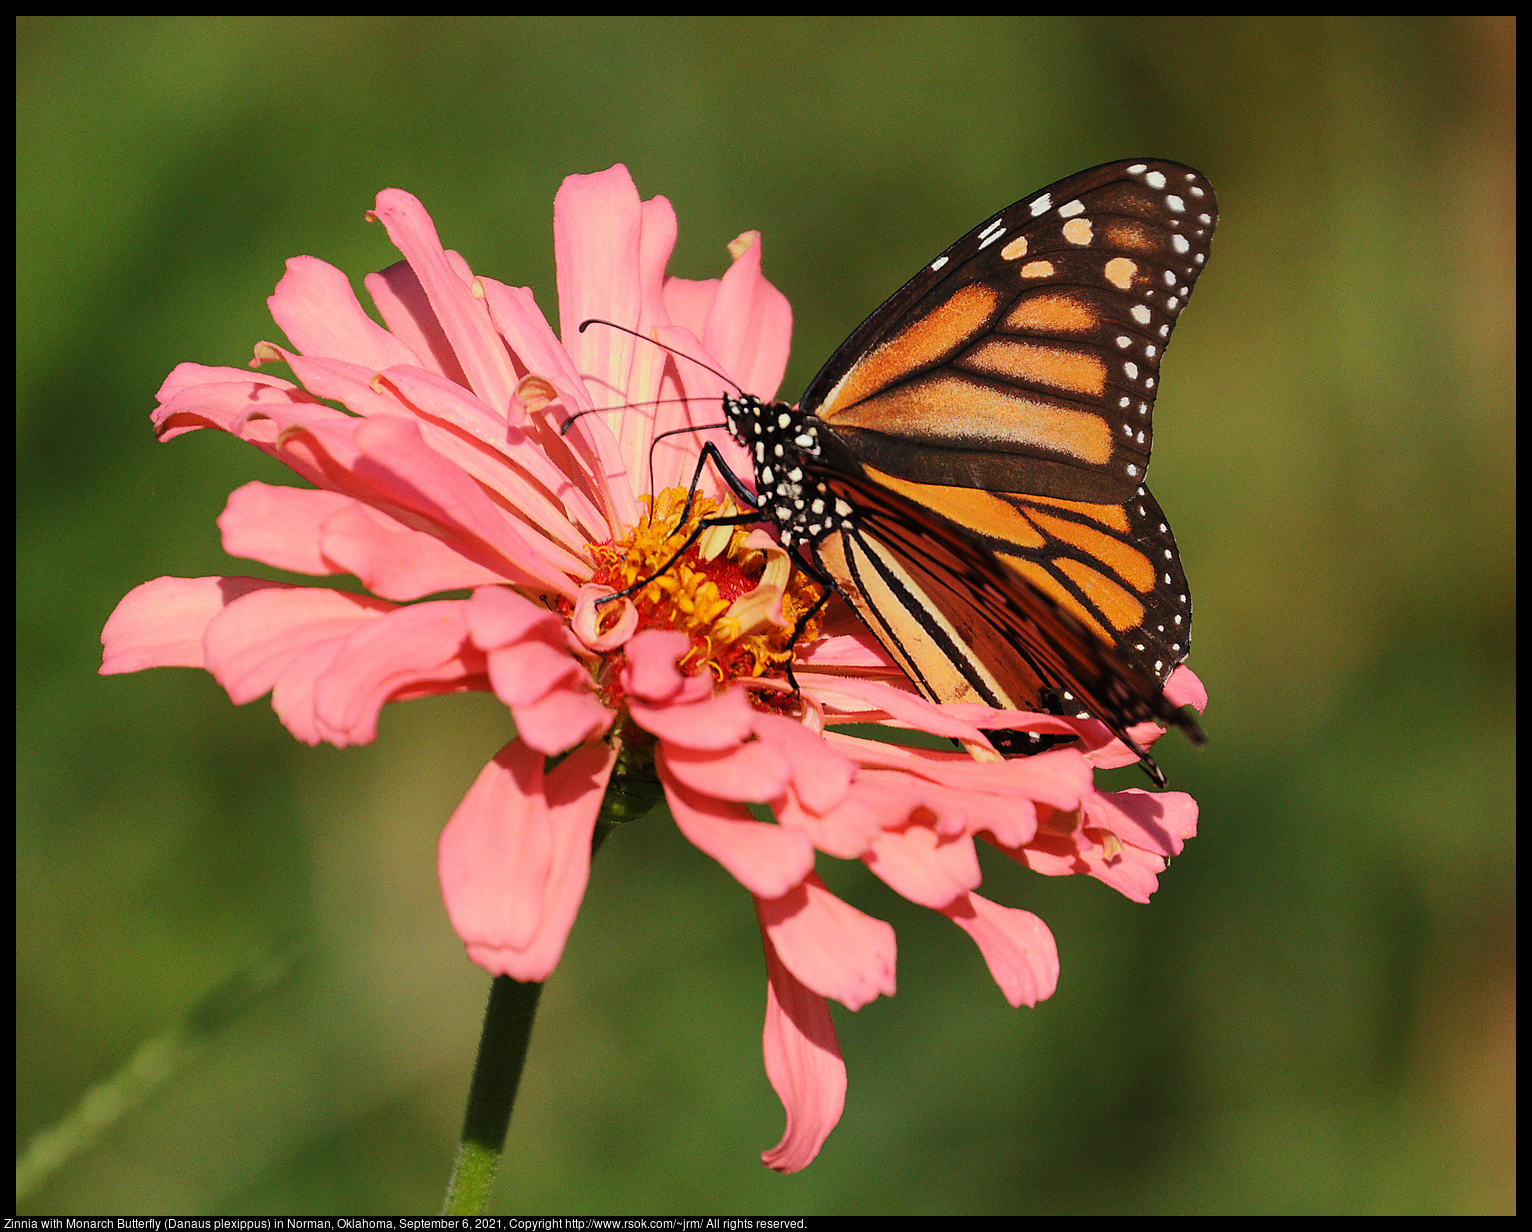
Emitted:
<point x="447" y="472"/>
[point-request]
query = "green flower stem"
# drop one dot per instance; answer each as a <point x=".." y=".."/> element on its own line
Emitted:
<point x="496" y="1075"/>
<point x="508" y="1028"/>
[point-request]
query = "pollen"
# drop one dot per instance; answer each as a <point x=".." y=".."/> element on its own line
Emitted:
<point x="737" y="601"/>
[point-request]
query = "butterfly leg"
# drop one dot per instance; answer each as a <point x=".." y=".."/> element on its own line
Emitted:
<point x="803" y="623"/>
<point x="751" y="514"/>
<point x="739" y="519"/>
<point x="736" y="485"/>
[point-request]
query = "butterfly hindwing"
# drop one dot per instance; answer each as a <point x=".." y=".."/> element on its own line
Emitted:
<point x="1114" y="568"/>
<point x="962" y="625"/>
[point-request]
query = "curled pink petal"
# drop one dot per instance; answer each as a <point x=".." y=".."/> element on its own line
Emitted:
<point x="766" y="859"/>
<point x="803" y="1064"/>
<point x="396" y="463"/>
<point x="744" y="772"/>
<point x="463" y="318"/>
<point x="235" y="402"/>
<point x="529" y="671"/>
<point x="406" y="309"/>
<point x="1017" y="947"/>
<point x="909" y="708"/>
<point x="1185" y="689"/>
<point x="688" y="302"/>
<point x="749" y="322"/>
<point x="1131" y="871"/>
<point x="836" y="950"/>
<point x="714" y="723"/>
<point x="254" y="641"/>
<point x="280" y="526"/>
<point x="1120" y="838"/>
<point x="392" y="560"/>
<point x="597" y="229"/>
<point x="561" y="720"/>
<point x="1156" y="821"/>
<point x="162" y="623"/>
<point x="316" y="308"/>
<point x="497" y="616"/>
<point x="1128" y="836"/>
<point x="411" y="648"/>
<point x="1059" y="777"/>
<point x="587" y="620"/>
<point x="923" y="867"/>
<point x="876" y="802"/>
<point x="515" y="858"/>
<point x="822" y="776"/>
<point x="651" y="672"/>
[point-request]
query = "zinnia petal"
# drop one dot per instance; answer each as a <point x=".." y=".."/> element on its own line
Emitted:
<point x="744" y="772"/>
<point x="411" y="648"/>
<point x="767" y="860"/>
<point x="836" y="950"/>
<point x="463" y="317"/>
<point x="651" y="671"/>
<point x="162" y="623"/>
<point x="515" y="858"/>
<point x="563" y="719"/>
<point x="749" y="322"/>
<point x="1017" y="947"/>
<point x="253" y="641"/>
<point x="316" y="308"/>
<point x="923" y="867"/>
<point x="803" y="1064"/>
<point x="588" y="617"/>
<point x="717" y="722"/>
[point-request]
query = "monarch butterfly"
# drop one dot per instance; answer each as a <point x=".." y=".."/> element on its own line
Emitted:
<point x="967" y="470"/>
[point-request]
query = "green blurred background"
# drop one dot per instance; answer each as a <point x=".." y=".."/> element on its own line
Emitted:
<point x="1317" y="1012"/>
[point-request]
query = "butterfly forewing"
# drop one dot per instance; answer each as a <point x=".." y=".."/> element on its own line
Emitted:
<point x="1026" y="357"/>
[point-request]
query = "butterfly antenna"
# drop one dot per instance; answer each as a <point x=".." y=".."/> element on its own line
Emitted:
<point x="678" y="354"/>
<point x="622" y="406"/>
<point x="659" y="436"/>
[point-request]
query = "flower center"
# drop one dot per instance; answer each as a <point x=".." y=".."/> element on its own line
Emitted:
<point x="735" y="595"/>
